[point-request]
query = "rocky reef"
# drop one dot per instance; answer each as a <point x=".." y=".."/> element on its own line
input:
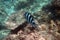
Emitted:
<point x="13" y="25"/>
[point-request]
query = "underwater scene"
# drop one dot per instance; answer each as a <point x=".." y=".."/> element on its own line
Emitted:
<point x="29" y="19"/>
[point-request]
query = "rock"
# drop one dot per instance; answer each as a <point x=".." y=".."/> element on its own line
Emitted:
<point x="4" y="33"/>
<point x="14" y="20"/>
<point x="42" y="16"/>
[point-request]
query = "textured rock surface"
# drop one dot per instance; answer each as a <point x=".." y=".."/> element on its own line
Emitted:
<point x="4" y="33"/>
<point x="15" y="19"/>
<point x="12" y="16"/>
<point x="42" y="16"/>
<point x="11" y="6"/>
<point x="29" y="34"/>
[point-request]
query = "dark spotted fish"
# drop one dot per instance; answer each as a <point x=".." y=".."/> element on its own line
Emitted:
<point x="30" y="18"/>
